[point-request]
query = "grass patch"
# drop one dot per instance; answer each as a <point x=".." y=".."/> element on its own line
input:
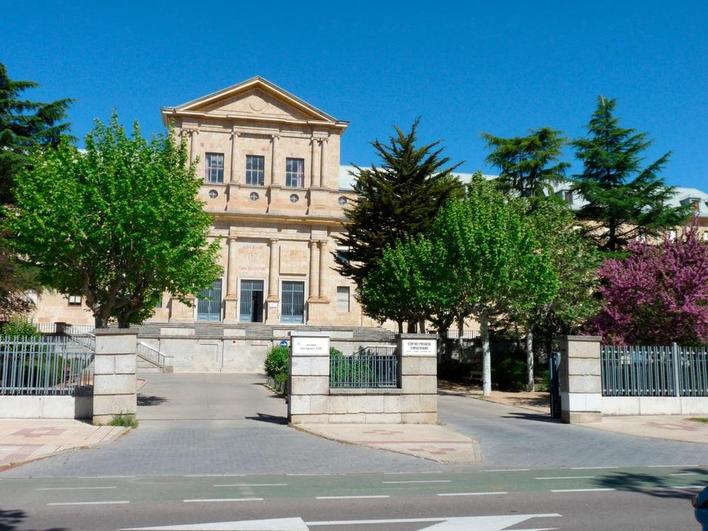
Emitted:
<point x="702" y="420"/>
<point x="125" y="421"/>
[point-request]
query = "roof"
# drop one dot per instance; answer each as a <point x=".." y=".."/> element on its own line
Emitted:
<point x="257" y="82"/>
<point x="681" y="193"/>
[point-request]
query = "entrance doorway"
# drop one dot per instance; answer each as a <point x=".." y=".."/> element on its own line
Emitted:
<point x="209" y="303"/>
<point x="293" y="302"/>
<point x="251" y="302"/>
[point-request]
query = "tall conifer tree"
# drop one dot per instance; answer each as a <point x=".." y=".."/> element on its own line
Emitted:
<point x="396" y="199"/>
<point x="624" y="199"/>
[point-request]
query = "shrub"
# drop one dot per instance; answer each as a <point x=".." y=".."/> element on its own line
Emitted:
<point x="277" y="361"/>
<point x="509" y="373"/>
<point x="124" y="420"/>
<point x="19" y="327"/>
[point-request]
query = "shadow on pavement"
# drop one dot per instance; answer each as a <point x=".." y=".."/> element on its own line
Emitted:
<point x="653" y="485"/>
<point x="272" y="419"/>
<point x="145" y="400"/>
<point x="10" y="519"/>
<point x="531" y="416"/>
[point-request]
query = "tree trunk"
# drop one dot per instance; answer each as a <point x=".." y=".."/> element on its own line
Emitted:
<point x="411" y="327"/>
<point x="400" y="327"/>
<point x="486" y="355"/>
<point x="460" y="331"/>
<point x="421" y="326"/>
<point x="529" y="361"/>
<point x="98" y="321"/>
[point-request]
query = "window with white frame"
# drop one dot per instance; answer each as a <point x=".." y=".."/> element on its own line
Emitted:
<point x="343" y="299"/>
<point x="74" y="300"/>
<point x="295" y="173"/>
<point x="255" y="170"/>
<point x="214" y="168"/>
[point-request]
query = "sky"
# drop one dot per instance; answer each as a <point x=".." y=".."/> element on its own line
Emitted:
<point x="463" y="67"/>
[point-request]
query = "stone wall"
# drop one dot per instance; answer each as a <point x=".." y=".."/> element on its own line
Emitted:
<point x="45" y="407"/>
<point x="242" y="348"/>
<point x="312" y="401"/>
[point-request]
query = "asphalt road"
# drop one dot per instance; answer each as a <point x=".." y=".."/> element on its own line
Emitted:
<point x="598" y="499"/>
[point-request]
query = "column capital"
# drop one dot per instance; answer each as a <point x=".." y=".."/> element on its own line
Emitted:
<point x="275" y="136"/>
<point x="273" y="240"/>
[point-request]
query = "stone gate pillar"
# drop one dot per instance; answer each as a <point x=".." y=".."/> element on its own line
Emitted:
<point x="114" y="389"/>
<point x="580" y="379"/>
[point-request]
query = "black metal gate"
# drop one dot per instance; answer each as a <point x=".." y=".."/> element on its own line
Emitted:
<point x="554" y="367"/>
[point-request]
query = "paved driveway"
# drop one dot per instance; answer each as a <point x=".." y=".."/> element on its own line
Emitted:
<point x="231" y="424"/>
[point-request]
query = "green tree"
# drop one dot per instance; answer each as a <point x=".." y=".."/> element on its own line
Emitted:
<point x="575" y="261"/>
<point x="396" y="199"/>
<point x="119" y="223"/>
<point x="25" y="124"/>
<point x="624" y="199"/>
<point x="493" y="258"/>
<point x="528" y="165"/>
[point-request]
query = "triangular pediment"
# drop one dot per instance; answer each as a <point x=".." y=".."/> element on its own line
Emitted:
<point x="256" y="98"/>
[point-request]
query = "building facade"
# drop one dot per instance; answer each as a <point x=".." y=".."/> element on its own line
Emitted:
<point x="270" y="163"/>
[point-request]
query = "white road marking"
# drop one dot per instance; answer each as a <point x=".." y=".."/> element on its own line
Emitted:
<point x="581" y="490"/>
<point x="594" y="468"/>
<point x="684" y="474"/>
<point x="508" y="470"/>
<point x="214" y="475"/>
<point x="688" y="487"/>
<point x="567" y="477"/>
<point x="361" y="497"/>
<point x="254" y="485"/>
<point x="673" y="466"/>
<point x="104" y="477"/>
<point x="472" y="493"/>
<point x="447" y="523"/>
<point x="75" y="488"/>
<point x="122" y="502"/>
<point x="416" y="481"/>
<point x="210" y="500"/>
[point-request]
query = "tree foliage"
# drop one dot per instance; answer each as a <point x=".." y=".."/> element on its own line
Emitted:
<point x="658" y="294"/>
<point x="119" y="224"/>
<point x="624" y="199"/>
<point x="528" y="165"/>
<point x="493" y="260"/>
<point x="25" y="124"/>
<point x="396" y="199"/>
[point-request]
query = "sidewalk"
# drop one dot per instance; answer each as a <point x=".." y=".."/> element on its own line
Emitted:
<point x="429" y="441"/>
<point x="669" y="427"/>
<point x="23" y="440"/>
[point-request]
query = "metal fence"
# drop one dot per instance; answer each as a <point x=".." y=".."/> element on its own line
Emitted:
<point x="44" y="366"/>
<point x="153" y="355"/>
<point x="664" y="370"/>
<point x="369" y="367"/>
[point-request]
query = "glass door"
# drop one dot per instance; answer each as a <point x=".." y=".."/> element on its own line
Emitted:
<point x="209" y="303"/>
<point x="251" y="301"/>
<point x="293" y="302"/>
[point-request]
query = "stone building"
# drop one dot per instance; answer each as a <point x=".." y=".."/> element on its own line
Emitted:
<point x="271" y="169"/>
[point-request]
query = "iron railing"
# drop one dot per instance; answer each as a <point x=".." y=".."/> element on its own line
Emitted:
<point x="44" y="366"/>
<point x="369" y="367"/>
<point x="153" y="355"/>
<point x="662" y="370"/>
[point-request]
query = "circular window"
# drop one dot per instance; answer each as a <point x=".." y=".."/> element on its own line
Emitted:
<point x="342" y="200"/>
<point x="294" y="198"/>
<point x="254" y="196"/>
<point x="213" y="194"/>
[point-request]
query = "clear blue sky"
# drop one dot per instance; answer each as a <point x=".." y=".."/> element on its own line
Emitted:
<point x="501" y="67"/>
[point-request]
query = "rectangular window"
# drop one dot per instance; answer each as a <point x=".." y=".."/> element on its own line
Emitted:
<point x="295" y="173"/>
<point x="214" y="166"/>
<point x="209" y="303"/>
<point x="255" y="170"/>
<point x="74" y="300"/>
<point x="293" y="302"/>
<point x="251" y="301"/>
<point x="343" y="299"/>
<point x="342" y="255"/>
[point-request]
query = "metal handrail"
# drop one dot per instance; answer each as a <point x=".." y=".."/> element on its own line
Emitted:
<point x="152" y="355"/>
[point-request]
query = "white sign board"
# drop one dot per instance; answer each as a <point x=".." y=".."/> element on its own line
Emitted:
<point x="310" y="346"/>
<point x="419" y="347"/>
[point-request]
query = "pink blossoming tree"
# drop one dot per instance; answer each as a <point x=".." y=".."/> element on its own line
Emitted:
<point x="658" y="294"/>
